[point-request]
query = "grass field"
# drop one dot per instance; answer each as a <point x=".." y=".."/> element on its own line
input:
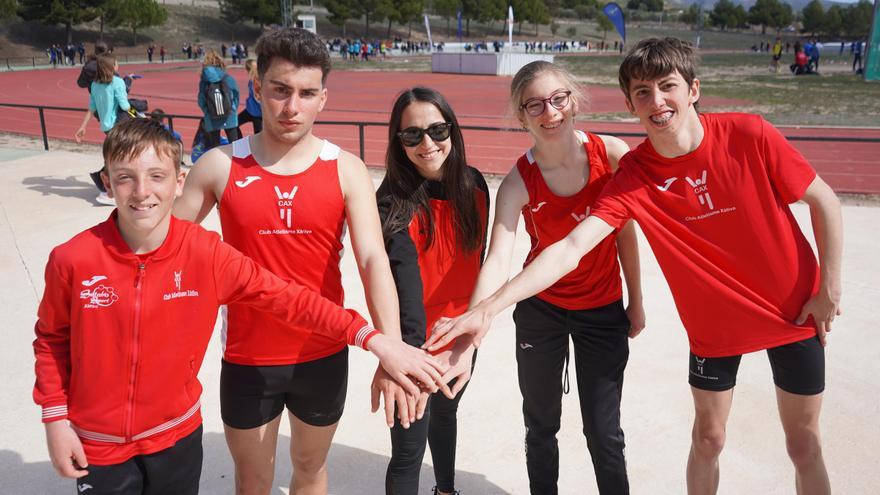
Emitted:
<point x="837" y="97"/>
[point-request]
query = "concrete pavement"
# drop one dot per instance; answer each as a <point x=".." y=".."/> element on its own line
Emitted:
<point x="46" y="197"/>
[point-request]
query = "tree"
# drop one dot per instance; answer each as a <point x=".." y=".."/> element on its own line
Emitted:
<point x="585" y="11"/>
<point x="447" y="10"/>
<point x="813" y="16"/>
<point x="604" y="24"/>
<point x="691" y="15"/>
<point x="833" y="23"/>
<point x="8" y="9"/>
<point x="265" y="12"/>
<point x="66" y="12"/>
<point x="340" y="11"/>
<point x="233" y="12"/>
<point x="375" y="10"/>
<point x="857" y="19"/>
<point x="135" y="14"/>
<point x="726" y="15"/>
<point x="770" y="13"/>
<point x="404" y="12"/>
<point x="647" y="5"/>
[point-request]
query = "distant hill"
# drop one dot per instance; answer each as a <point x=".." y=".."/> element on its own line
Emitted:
<point x="797" y="5"/>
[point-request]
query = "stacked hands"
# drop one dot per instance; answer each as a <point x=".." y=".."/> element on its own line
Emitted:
<point x="407" y="382"/>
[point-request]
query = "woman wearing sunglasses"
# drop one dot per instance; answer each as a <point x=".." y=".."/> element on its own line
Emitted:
<point x="434" y="211"/>
<point x="553" y="186"/>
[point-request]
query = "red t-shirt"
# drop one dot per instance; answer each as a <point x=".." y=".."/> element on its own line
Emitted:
<point x="548" y="218"/>
<point x="293" y="225"/>
<point x="718" y="221"/>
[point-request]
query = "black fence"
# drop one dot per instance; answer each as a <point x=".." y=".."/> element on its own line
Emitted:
<point x="12" y="63"/>
<point x="40" y="110"/>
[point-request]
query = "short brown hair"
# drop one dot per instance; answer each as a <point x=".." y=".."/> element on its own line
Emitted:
<point x="129" y="139"/>
<point x="296" y="45"/>
<point x="106" y="68"/>
<point x="532" y="71"/>
<point x="653" y="58"/>
<point x="213" y="59"/>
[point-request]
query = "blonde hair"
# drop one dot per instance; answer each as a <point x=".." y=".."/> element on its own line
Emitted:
<point x="213" y="59"/>
<point x="251" y="67"/>
<point x="532" y="71"/>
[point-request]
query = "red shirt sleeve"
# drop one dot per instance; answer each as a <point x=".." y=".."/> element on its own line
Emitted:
<point x="789" y="171"/>
<point x="239" y="279"/>
<point x="52" y="345"/>
<point x="611" y="205"/>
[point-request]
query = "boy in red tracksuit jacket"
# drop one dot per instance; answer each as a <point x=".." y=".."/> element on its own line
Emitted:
<point x="127" y="313"/>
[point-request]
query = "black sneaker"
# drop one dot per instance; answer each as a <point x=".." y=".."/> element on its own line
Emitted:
<point x="437" y="492"/>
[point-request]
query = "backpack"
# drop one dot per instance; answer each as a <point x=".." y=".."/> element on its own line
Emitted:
<point x="218" y="99"/>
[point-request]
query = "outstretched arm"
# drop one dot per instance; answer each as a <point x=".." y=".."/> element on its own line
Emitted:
<point x="827" y="222"/>
<point x="552" y="264"/>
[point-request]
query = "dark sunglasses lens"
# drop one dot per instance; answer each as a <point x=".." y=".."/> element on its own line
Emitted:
<point x="439" y="132"/>
<point x="411" y="136"/>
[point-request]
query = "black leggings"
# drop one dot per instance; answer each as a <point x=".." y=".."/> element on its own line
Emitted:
<point x="601" y="351"/>
<point x="212" y="138"/>
<point x="439" y="428"/>
<point x="244" y="117"/>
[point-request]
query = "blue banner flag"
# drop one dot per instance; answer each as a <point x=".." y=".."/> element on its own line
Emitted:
<point x="615" y="14"/>
<point x="458" y="16"/>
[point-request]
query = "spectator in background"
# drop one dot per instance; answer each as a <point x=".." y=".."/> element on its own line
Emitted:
<point x="252" y="111"/>
<point x="108" y="100"/>
<point x="857" y="56"/>
<point x="218" y="98"/>
<point x="162" y="53"/>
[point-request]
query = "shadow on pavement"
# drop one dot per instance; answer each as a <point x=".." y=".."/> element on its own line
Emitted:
<point x="69" y="187"/>
<point x="352" y="471"/>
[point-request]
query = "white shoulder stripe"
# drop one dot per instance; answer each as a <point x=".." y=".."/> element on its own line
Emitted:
<point x="530" y="157"/>
<point x="329" y="151"/>
<point x="242" y="147"/>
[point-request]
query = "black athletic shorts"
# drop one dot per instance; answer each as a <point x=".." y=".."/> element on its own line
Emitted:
<point x="798" y="368"/>
<point x="176" y="470"/>
<point x="251" y="396"/>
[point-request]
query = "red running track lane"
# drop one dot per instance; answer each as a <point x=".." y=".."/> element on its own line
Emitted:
<point x="368" y="96"/>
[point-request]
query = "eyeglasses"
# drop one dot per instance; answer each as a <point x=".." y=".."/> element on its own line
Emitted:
<point x="535" y="106"/>
<point x="412" y="136"/>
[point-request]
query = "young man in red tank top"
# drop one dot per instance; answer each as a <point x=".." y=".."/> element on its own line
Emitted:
<point x="286" y="195"/>
<point x="711" y="194"/>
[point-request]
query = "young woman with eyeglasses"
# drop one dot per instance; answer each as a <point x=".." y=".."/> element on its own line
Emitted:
<point x="434" y="211"/>
<point x="553" y="186"/>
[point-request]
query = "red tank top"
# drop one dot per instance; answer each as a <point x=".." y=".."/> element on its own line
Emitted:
<point x="448" y="273"/>
<point x="548" y="218"/>
<point x="293" y="225"/>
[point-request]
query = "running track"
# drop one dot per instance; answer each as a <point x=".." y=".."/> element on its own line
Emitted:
<point x="368" y="96"/>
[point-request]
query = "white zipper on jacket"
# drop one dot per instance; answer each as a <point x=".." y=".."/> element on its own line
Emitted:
<point x="136" y="327"/>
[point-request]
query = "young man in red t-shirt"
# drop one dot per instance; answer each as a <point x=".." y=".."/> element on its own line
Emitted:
<point x="126" y="316"/>
<point x="711" y="194"/>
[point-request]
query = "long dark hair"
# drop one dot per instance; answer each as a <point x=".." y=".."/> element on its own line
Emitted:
<point x="407" y="191"/>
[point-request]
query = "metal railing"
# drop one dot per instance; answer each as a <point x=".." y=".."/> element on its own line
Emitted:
<point x="361" y="126"/>
<point x="12" y="63"/>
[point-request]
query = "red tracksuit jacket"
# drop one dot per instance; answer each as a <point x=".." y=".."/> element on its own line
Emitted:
<point x="121" y="337"/>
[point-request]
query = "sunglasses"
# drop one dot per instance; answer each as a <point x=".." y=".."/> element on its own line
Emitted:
<point x="535" y="106"/>
<point x="412" y="136"/>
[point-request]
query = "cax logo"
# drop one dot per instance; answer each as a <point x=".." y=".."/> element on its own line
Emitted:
<point x="285" y="204"/>
<point x="701" y="190"/>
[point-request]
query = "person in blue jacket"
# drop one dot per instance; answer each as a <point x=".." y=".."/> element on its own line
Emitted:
<point x="218" y="98"/>
<point x="252" y="112"/>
